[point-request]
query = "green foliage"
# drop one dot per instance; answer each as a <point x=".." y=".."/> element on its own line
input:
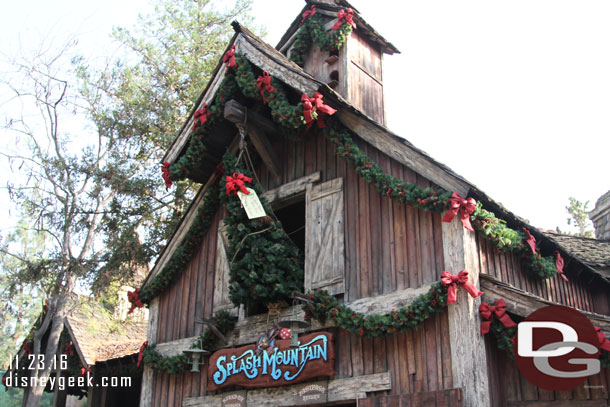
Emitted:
<point x="327" y="307"/>
<point x="506" y="239"/>
<point x="503" y="337"/>
<point x="266" y="266"/>
<point x="579" y="217"/>
<point x="312" y="32"/>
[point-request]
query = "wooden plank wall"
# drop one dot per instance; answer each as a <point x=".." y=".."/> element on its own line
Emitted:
<point x="508" y="268"/>
<point x="388" y="247"/>
<point x="509" y="387"/>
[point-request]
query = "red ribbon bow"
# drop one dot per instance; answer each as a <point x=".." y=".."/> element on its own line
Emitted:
<point x="141" y="353"/>
<point x="83" y="371"/>
<point x="499" y="310"/>
<point x="308" y="13"/>
<point x="201" y="116"/>
<point x="263" y="83"/>
<point x="69" y="349"/>
<point x="4" y="383"/>
<point x="27" y="348"/>
<point x="604" y="343"/>
<point x="344" y="16"/>
<point x="559" y="265"/>
<point x="452" y="281"/>
<point x="530" y="240"/>
<point x="466" y="208"/>
<point x="134" y="298"/>
<point x="236" y="182"/>
<point x="315" y="102"/>
<point x="165" y="175"/>
<point x="230" y="57"/>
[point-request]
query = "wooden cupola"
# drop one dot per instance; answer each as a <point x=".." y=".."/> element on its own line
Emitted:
<point x="356" y="70"/>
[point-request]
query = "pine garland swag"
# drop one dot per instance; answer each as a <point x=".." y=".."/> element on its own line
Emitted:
<point x="326" y="307"/>
<point x="265" y="265"/>
<point x="312" y="32"/>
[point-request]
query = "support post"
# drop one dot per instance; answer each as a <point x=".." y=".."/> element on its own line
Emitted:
<point x="146" y="390"/>
<point x="468" y="360"/>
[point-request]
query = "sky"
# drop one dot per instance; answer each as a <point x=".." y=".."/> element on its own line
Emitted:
<point x="514" y="96"/>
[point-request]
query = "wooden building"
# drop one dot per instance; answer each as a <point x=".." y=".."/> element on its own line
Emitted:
<point x="370" y="251"/>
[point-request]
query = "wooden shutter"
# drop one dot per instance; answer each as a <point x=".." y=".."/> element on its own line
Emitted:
<point x="221" y="277"/>
<point x="324" y="230"/>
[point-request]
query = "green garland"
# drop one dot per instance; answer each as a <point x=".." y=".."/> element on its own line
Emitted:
<point x="187" y="248"/>
<point x="506" y="239"/>
<point x="174" y="365"/>
<point x="290" y="119"/>
<point x="313" y="32"/>
<point x="266" y="266"/>
<point x="327" y="307"/>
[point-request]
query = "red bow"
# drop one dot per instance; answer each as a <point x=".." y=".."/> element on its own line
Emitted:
<point x="559" y="265"/>
<point x="134" y="298"/>
<point x="263" y="83"/>
<point x="83" y="371"/>
<point x="604" y="343"/>
<point x="236" y="182"/>
<point x="4" y="383"/>
<point x="344" y="17"/>
<point x="141" y="353"/>
<point x="201" y="116"/>
<point x="452" y="281"/>
<point x="230" y="57"/>
<point x="487" y="312"/>
<point x="69" y="349"/>
<point x="466" y="208"/>
<point x="26" y="348"/>
<point x="530" y="240"/>
<point x="308" y="13"/>
<point x="309" y="103"/>
<point x="165" y="175"/>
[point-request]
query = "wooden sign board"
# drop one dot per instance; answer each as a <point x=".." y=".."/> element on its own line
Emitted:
<point x="234" y="399"/>
<point x="314" y="357"/>
<point x="311" y="393"/>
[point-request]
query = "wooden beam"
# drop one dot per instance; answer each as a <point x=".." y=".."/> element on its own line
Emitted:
<point x="343" y="389"/>
<point x="251" y="328"/>
<point x="238" y="114"/>
<point x="558" y="403"/>
<point x="292" y="188"/>
<point x="146" y="389"/>
<point x="522" y="303"/>
<point x="467" y="344"/>
<point x="401" y="152"/>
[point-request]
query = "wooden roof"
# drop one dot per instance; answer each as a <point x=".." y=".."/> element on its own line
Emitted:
<point x="279" y="66"/>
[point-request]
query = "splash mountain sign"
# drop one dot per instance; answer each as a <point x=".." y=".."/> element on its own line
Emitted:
<point x="314" y="357"/>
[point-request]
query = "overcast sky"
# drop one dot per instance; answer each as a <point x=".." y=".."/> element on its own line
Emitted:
<point x="514" y="96"/>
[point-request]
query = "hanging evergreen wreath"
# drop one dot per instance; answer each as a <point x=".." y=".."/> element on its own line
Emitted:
<point x="266" y="266"/>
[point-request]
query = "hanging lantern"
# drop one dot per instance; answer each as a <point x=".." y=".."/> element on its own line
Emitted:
<point x="196" y="356"/>
<point x="294" y="324"/>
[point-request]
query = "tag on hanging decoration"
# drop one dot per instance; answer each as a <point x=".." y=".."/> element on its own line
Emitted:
<point x="251" y="203"/>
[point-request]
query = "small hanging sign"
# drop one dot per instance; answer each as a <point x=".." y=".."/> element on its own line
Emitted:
<point x="251" y="204"/>
<point x="234" y="399"/>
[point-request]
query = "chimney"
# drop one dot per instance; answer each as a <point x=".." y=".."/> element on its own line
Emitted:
<point x="355" y="70"/>
<point x="600" y="216"/>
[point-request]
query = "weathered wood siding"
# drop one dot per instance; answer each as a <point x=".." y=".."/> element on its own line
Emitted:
<point x="388" y="247"/>
<point x="510" y="389"/>
<point x="508" y="268"/>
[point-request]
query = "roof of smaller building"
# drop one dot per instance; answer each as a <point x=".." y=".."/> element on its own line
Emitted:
<point x="100" y="336"/>
<point x="593" y="252"/>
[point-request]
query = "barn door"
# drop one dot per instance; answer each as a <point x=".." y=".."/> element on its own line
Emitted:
<point x="221" y="275"/>
<point x="324" y="244"/>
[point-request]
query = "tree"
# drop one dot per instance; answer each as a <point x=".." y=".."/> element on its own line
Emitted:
<point x="85" y="149"/>
<point x="579" y="217"/>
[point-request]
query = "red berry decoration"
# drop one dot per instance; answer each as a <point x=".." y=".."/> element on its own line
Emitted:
<point x="285" y="333"/>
